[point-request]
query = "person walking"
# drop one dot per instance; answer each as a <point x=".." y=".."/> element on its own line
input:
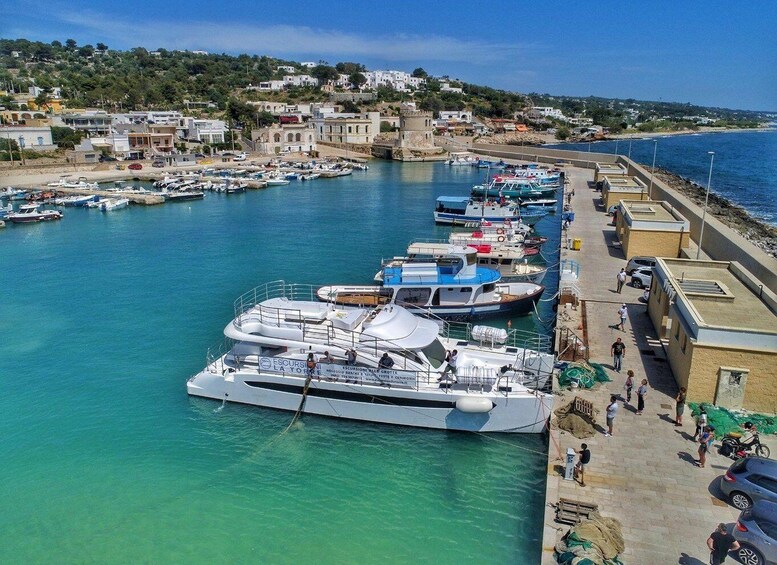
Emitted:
<point x="623" y="313"/>
<point x="641" y="394"/>
<point x="618" y="352"/>
<point x="629" y="385"/>
<point x="679" y="406"/>
<point x="620" y="280"/>
<point x="584" y="457"/>
<point x="612" y="410"/>
<point x="701" y="422"/>
<point x="451" y="358"/>
<point x="720" y="543"/>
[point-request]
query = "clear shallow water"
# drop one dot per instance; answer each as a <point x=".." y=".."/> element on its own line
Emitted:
<point x="744" y="170"/>
<point x="105" y="457"/>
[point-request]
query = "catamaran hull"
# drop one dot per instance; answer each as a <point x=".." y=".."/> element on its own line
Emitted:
<point x="489" y="412"/>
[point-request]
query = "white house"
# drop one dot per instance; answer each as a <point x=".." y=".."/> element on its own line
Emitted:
<point x="286" y="69"/>
<point x="29" y="137"/>
<point x="300" y="80"/>
<point x="446" y="87"/>
<point x="268" y="85"/>
<point x="540" y="112"/>
<point x="55" y="92"/>
<point x="458" y="115"/>
<point x="396" y="80"/>
<point x="206" y="131"/>
<point x="309" y="64"/>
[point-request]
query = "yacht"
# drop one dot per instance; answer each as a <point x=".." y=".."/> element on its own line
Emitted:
<point x="278" y="327"/>
<point x="452" y="288"/>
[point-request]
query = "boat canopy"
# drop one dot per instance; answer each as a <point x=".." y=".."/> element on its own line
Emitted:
<point x="393" y="327"/>
<point x="459" y="202"/>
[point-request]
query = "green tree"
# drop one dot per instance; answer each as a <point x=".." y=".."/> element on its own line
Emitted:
<point x="102" y="47"/>
<point x="349" y="68"/>
<point x="419" y="73"/>
<point x="357" y="80"/>
<point x="71" y="44"/>
<point x="563" y="133"/>
<point x="324" y="74"/>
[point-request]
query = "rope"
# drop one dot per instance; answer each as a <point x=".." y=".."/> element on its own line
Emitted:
<point x="301" y="404"/>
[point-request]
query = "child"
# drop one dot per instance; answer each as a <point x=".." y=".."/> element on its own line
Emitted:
<point x="629" y="385"/>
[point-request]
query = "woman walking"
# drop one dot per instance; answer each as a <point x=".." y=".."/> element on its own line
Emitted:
<point x="705" y="440"/>
<point x="679" y="407"/>
<point x="641" y="394"/>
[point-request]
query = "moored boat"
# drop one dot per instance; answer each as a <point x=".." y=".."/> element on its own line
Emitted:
<point x="289" y="352"/>
<point x="29" y="213"/>
<point x="114" y="204"/>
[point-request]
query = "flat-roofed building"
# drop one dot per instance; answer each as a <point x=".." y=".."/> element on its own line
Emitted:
<point x="609" y="170"/>
<point x="615" y="189"/>
<point x="29" y="137"/>
<point x="651" y="228"/>
<point x="721" y="327"/>
<point x="285" y="138"/>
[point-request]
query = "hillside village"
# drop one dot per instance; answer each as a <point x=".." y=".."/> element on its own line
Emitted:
<point x="88" y="104"/>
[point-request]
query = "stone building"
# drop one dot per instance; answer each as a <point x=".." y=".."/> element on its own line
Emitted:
<point x="720" y="328"/>
<point x="285" y="138"/>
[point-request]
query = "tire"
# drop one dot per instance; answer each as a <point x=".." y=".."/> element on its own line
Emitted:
<point x="740" y="500"/>
<point x="636" y="283"/>
<point x="763" y="451"/>
<point x="749" y="555"/>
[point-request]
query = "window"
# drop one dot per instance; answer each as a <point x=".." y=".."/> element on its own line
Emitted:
<point x="277" y="138"/>
<point x="290" y="137"/>
<point x="297" y="137"/>
<point x="40" y="141"/>
<point x="357" y="129"/>
<point x="764" y="482"/>
<point x="350" y="129"/>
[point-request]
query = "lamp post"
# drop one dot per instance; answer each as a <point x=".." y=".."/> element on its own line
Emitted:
<point x="653" y="169"/>
<point x="706" y="200"/>
<point x="629" y="148"/>
<point x="21" y="149"/>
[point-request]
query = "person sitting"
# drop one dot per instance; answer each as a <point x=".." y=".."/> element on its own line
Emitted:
<point x="748" y="437"/>
<point x="385" y="362"/>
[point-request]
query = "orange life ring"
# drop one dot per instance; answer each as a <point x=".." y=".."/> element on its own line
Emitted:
<point x="500" y="239"/>
<point x="500" y="231"/>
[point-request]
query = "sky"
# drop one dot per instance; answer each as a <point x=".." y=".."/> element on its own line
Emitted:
<point x="709" y="53"/>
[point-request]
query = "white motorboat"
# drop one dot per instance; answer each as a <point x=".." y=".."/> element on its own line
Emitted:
<point x="10" y="193"/>
<point x="462" y="159"/>
<point x="96" y="203"/>
<point x="114" y="204"/>
<point x="77" y="201"/>
<point x="277" y="326"/>
<point x="29" y="213"/>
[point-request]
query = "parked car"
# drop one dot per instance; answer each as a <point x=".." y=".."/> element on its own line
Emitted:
<point x="135" y="166"/>
<point x="612" y="209"/>
<point x="240" y="157"/>
<point x="637" y="262"/>
<point x="199" y="155"/>
<point x="158" y="164"/>
<point x="749" y="480"/>
<point x="642" y="277"/>
<point x="756" y="532"/>
<point x="106" y="158"/>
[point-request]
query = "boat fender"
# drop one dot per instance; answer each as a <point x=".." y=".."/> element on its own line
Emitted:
<point x="500" y="239"/>
<point x="500" y="230"/>
<point x="474" y="405"/>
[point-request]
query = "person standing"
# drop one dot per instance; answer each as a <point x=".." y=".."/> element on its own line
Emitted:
<point x="350" y="357"/>
<point x="679" y="406"/>
<point x="629" y="385"/>
<point x="623" y="313"/>
<point x="584" y="457"/>
<point x="701" y="422"/>
<point x="386" y="362"/>
<point x="618" y="352"/>
<point x="621" y="280"/>
<point x="612" y="409"/>
<point x="311" y="365"/>
<point x="720" y="543"/>
<point x="451" y="359"/>
<point x="641" y="394"/>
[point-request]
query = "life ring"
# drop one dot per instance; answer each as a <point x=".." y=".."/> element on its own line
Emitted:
<point x="500" y="231"/>
<point x="500" y="239"/>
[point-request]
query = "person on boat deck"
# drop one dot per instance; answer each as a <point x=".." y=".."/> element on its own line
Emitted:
<point x="386" y="362"/>
<point x="327" y="358"/>
<point x="311" y="364"/>
<point x="451" y="358"/>
<point x="350" y="357"/>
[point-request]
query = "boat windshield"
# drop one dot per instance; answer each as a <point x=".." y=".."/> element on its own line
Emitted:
<point x="435" y="353"/>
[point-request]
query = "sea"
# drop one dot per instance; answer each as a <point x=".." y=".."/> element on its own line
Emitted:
<point x="106" y="459"/>
<point x="744" y="168"/>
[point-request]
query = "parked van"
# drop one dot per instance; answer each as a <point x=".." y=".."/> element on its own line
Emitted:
<point x="240" y="157"/>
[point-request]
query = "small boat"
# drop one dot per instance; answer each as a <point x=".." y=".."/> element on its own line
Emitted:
<point x="10" y="193"/>
<point x="462" y="209"/>
<point x="96" y="203"/>
<point x="455" y="288"/>
<point x="182" y="196"/>
<point x="461" y="159"/>
<point x="278" y="328"/>
<point x="29" y="213"/>
<point x="5" y="211"/>
<point x="275" y="181"/>
<point x="540" y="203"/>
<point x="309" y="176"/>
<point x="111" y="204"/>
<point x="76" y="201"/>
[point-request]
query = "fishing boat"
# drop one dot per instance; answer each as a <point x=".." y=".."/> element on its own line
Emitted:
<point x="276" y="181"/>
<point x="461" y="159"/>
<point x="462" y="209"/>
<point x="454" y="288"/>
<point x="309" y="176"/>
<point x="182" y="196"/>
<point x="110" y="205"/>
<point x="10" y="193"/>
<point x="510" y="262"/>
<point x="284" y="350"/>
<point x="512" y="187"/>
<point x="76" y="201"/>
<point x="29" y="213"/>
<point x="549" y="203"/>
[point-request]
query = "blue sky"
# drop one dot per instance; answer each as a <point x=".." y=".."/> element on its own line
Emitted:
<point x="710" y="53"/>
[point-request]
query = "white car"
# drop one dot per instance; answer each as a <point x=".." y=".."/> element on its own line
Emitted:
<point x="240" y="157"/>
<point x="642" y="277"/>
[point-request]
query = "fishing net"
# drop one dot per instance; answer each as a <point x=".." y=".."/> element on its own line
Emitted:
<point x="727" y="421"/>
<point x="596" y="541"/>
<point x="579" y="425"/>
<point x="586" y="375"/>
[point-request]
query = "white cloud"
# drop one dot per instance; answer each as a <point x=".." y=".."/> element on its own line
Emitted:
<point x="287" y="40"/>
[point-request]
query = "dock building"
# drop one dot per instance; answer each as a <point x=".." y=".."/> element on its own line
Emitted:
<point x="651" y="228"/>
<point x="720" y="326"/>
<point x="612" y="170"/>
<point x="617" y="188"/>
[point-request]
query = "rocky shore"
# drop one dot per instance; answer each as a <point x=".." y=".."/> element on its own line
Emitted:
<point x="734" y="216"/>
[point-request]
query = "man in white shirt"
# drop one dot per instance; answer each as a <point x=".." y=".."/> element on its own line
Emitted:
<point x="621" y="280"/>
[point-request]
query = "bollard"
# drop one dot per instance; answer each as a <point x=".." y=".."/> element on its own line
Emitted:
<point x="569" y="468"/>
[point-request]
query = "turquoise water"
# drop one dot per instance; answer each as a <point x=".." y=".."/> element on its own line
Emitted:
<point x="106" y="459"/>
<point x="744" y="169"/>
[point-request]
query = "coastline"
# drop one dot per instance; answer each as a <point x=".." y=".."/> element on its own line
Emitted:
<point x="734" y="216"/>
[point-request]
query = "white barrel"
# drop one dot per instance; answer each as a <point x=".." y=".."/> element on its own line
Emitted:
<point x="471" y="405"/>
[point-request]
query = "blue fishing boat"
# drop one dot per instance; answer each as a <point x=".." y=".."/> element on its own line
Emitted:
<point x="453" y="287"/>
<point x="458" y="210"/>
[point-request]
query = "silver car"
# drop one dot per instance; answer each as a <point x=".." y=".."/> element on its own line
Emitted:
<point x="749" y="480"/>
<point x="756" y="532"/>
<point x="637" y="262"/>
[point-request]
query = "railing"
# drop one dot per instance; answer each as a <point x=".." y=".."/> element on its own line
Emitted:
<point x="274" y="289"/>
<point x="520" y="339"/>
<point x="571" y="346"/>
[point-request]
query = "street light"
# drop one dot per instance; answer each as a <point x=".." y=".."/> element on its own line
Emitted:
<point x="706" y="200"/>
<point x="629" y="148"/>
<point x="653" y="169"/>
<point x="21" y="149"/>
